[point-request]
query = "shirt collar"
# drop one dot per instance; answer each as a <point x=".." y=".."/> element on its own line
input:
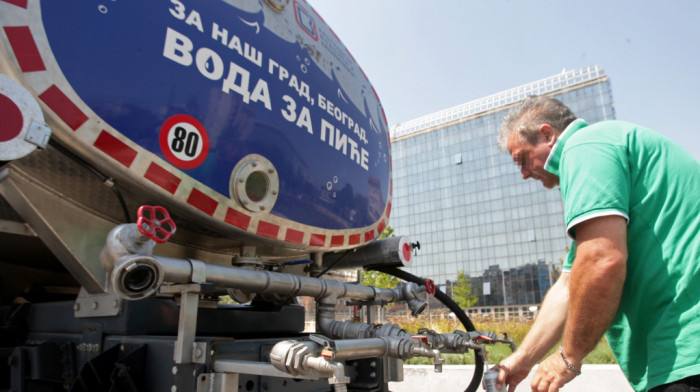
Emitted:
<point x="554" y="158"/>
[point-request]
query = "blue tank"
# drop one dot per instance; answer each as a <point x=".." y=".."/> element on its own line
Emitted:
<point x="247" y="117"/>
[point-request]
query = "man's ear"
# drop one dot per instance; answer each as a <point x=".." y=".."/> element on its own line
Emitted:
<point x="548" y="134"/>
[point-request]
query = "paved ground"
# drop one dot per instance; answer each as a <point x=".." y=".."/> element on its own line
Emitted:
<point x="455" y="378"/>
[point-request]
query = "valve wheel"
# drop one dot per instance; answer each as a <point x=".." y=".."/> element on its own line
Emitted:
<point x="155" y="223"/>
<point x="430" y="286"/>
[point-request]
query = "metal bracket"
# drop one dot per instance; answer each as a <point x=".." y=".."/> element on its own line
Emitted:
<point x="54" y="220"/>
<point x="186" y="376"/>
<point x="368" y="306"/>
<point x="199" y="271"/>
<point x="96" y="305"/>
<point x="199" y="352"/>
<point x="186" y="350"/>
<point x="187" y="326"/>
<point x="38" y="134"/>
<point x="231" y="366"/>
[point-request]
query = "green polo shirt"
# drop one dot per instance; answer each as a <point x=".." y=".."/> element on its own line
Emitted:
<point x="619" y="168"/>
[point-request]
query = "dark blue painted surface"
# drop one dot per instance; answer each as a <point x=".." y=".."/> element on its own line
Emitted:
<point x="115" y="59"/>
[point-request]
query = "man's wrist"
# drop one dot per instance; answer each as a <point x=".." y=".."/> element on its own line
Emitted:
<point x="524" y="358"/>
<point x="568" y="364"/>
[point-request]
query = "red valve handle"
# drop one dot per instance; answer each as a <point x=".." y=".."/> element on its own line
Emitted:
<point x="422" y="338"/>
<point x="430" y="286"/>
<point x="155" y="223"/>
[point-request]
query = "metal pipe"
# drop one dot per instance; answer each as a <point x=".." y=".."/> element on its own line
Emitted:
<point x="393" y="251"/>
<point x="124" y="240"/>
<point x="349" y="349"/>
<point x="302" y="358"/>
<point x="328" y="326"/>
<point x="139" y="276"/>
<point x="293" y="356"/>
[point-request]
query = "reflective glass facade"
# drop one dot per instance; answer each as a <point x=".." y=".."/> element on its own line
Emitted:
<point x="465" y="201"/>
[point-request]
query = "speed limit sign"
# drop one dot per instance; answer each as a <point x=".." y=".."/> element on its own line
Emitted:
<point x="184" y="141"/>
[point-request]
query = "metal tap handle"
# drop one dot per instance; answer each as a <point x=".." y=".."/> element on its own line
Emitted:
<point x="155" y="223"/>
<point x="430" y="286"/>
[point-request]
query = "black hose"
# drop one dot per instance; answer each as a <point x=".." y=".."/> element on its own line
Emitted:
<point x="333" y="264"/>
<point x="454" y="307"/>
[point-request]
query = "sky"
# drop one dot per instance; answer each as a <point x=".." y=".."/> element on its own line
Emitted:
<point x="425" y="56"/>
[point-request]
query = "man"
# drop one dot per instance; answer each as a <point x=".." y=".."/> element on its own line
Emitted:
<point x="632" y="207"/>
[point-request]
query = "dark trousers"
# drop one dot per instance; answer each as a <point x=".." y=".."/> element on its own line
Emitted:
<point x="689" y="384"/>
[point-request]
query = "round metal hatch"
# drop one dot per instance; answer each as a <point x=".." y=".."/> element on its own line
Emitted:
<point x="255" y="183"/>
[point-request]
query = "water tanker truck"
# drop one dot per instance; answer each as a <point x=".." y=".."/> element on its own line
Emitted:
<point x="156" y="156"/>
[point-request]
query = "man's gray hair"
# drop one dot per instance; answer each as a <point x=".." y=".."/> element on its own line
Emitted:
<point x="526" y="118"/>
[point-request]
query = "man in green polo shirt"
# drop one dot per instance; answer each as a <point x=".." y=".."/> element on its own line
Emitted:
<point x="632" y="206"/>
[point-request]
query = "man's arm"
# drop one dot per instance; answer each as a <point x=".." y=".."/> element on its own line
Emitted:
<point x="596" y="284"/>
<point x="544" y="333"/>
<point x="597" y="279"/>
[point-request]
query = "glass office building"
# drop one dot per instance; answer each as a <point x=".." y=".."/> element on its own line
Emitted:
<point x="465" y="201"/>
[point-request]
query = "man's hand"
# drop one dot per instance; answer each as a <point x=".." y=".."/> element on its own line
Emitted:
<point x="551" y="374"/>
<point x="511" y="371"/>
<point x="544" y="333"/>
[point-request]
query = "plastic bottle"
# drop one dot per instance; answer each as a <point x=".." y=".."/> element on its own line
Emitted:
<point x="490" y="378"/>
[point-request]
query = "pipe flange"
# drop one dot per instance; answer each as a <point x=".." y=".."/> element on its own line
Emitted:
<point x="137" y="277"/>
<point x="255" y="183"/>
